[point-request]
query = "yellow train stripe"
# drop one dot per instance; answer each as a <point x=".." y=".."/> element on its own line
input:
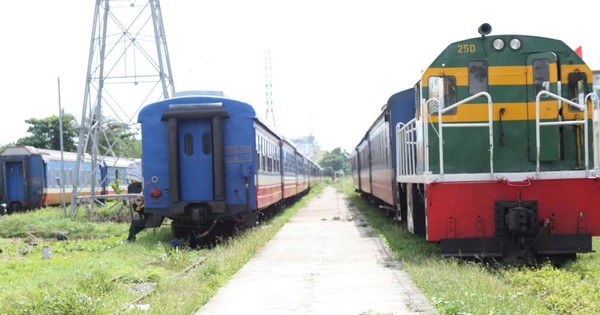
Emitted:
<point x="512" y="111"/>
<point x="500" y="75"/>
<point x="566" y="69"/>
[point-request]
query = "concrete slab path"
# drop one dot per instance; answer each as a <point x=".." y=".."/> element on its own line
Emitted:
<point x="326" y="260"/>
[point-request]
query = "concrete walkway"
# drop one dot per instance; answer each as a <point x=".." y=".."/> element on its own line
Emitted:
<point x="326" y="260"/>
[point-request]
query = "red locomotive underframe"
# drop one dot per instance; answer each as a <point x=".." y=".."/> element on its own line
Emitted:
<point x="466" y="209"/>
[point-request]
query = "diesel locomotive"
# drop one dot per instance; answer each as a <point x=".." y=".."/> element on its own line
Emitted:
<point x="493" y="153"/>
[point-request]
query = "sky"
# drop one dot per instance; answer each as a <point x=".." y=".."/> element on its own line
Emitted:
<point x="334" y="64"/>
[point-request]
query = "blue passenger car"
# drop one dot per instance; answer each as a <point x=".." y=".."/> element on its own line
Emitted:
<point x="373" y="162"/>
<point x="32" y="177"/>
<point x="209" y="161"/>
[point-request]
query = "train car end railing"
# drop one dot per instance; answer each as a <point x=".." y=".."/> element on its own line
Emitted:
<point x="406" y="142"/>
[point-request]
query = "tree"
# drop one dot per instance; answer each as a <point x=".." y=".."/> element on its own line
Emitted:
<point x="119" y="139"/>
<point x="45" y="133"/>
<point x="334" y="161"/>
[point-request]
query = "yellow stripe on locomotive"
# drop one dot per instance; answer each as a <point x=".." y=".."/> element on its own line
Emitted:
<point x="513" y="78"/>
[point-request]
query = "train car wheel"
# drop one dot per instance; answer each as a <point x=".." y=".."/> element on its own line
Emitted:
<point x="14" y="207"/>
<point x="179" y="231"/>
<point x="416" y="210"/>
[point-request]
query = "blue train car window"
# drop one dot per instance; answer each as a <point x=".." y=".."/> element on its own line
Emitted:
<point x="443" y="89"/>
<point x="478" y="76"/>
<point x="206" y="143"/>
<point x="577" y="89"/>
<point x="257" y="140"/>
<point x="188" y="144"/>
<point x="57" y="178"/>
<point x="541" y="76"/>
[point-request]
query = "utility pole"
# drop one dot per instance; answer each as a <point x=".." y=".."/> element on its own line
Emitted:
<point x="128" y="66"/>
<point x="269" y="86"/>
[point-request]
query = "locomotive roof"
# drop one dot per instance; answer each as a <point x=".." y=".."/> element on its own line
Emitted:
<point x="484" y="50"/>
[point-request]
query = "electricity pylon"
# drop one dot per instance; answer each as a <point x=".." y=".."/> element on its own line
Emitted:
<point x="128" y="66"/>
<point x="269" y="86"/>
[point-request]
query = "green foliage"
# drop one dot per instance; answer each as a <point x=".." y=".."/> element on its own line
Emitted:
<point x="561" y="291"/>
<point x="47" y="222"/>
<point x="118" y="139"/>
<point x="45" y="133"/>
<point x="116" y="186"/>
<point x="334" y="161"/>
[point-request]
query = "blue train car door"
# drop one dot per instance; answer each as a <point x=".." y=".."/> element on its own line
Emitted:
<point x="15" y="181"/>
<point x="195" y="160"/>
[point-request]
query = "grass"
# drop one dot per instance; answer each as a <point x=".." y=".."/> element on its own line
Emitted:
<point x="97" y="272"/>
<point x="466" y="287"/>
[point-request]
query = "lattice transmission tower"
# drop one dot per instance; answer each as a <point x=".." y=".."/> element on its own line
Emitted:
<point x="269" y="86"/>
<point x="128" y="67"/>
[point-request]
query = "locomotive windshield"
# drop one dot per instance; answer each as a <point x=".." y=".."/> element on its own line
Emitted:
<point x="541" y="76"/>
<point x="443" y="90"/>
<point x="577" y="89"/>
<point x="478" y="76"/>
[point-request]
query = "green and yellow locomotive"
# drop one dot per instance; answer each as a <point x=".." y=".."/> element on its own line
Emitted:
<point x="501" y="156"/>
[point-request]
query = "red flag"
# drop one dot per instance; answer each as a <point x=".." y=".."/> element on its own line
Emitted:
<point x="579" y="52"/>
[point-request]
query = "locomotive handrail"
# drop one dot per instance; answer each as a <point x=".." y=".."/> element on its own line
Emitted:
<point x="595" y="127"/>
<point x="489" y="124"/>
<point x="560" y="123"/>
<point x="405" y="151"/>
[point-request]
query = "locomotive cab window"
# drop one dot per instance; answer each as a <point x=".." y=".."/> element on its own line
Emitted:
<point x="478" y="77"/>
<point x="577" y="89"/>
<point x="443" y="89"/>
<point x="541" y="76"/>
